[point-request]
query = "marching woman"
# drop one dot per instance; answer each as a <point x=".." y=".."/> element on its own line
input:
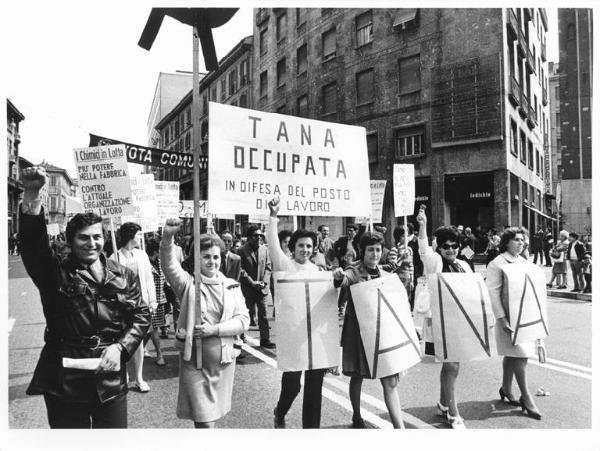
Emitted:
<point x="205" y="387"/>
<point x="301" y="246"/>
<point x="515" y="356"/>
<point x="354" y="360"/>
<point x="443" y="259"/>
<point x="130" y="255"/>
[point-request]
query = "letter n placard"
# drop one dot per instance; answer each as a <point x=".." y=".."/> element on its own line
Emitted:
<point x="462" y="317"/>
<point x="525" y="296"/>
<point x="306" y="323"/>
<point x="386" y="326"/>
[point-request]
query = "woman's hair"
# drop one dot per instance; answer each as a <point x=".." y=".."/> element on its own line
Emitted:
<point x="369" y="239"/>
<point x="81" y="221"/>
<point x="283" y="234"/>
<point x="152" y="246"/>
<point x="398" y="233"/>
<point x="446" y="233"/>
<point x="509" y="234"/>
<point x="127" y="232"/>
<point x="206" y="242"/>
<point x="301" y="233"/>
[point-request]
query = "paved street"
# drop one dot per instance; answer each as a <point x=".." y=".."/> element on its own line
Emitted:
<point x="566" y="376"/>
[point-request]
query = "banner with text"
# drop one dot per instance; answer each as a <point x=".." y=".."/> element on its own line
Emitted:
<point x="462" y="317"/>
<point x="144" y="203"/>
<point x="404" y="189"/>
<point x="306" y="324"/>
<point x="167" y="200"/>
<point x="386" y="326"/>
<point x="377" y="194"/>
<point x="524" y="298"/>
<point x="104" y="180"/>
<point x="316" y="168"/>
<point x="186" y="208"/>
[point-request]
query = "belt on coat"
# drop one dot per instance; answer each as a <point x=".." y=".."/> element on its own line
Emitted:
<point x="93" y="342"/>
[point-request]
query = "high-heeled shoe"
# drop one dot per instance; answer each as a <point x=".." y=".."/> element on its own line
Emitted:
<point x="530" y="412"/>
<point x="509" y="400"/>
<point x="442" y="410"/>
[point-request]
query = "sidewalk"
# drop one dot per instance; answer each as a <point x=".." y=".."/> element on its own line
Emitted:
<point x="565" y="293"/>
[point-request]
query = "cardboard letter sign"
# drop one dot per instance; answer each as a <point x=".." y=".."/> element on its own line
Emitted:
<point x="525" y="294"/>
<point x="462" y="317"/>
<point x="307" y="321"/>
<point x="386" y="327"/>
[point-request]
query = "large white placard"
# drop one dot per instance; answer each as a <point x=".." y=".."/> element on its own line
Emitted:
<point x="386" y="327"/>
<point x="377" y="194"/>
<point x="404" y="189"/>
<point x="525" y="295"/>
<point x="167" y="200"/>
<point x="104" y="180"/>
<point x="144" y="203"/>
<point x="307" y="320"/>
<point x="73" y="205"/>
<point x="462" y="317"/>
<point x="316" y="168"/>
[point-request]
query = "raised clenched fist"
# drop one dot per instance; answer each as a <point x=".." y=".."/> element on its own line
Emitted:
<point x="33" y="178"/>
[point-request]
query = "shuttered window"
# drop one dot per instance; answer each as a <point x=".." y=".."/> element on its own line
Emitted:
<point x="329" y="98"/>
<point x="372" y="147"/>
<point x="302" y="106"/>
<point x="263" y="84"/>
<point x="301" y="59"/>
<point x="364" y="28"/>
<point x="329" y="44"/>
<point x="364" y="87"/>
<point x="409" y="74"/>
<point x="281" y="69"/>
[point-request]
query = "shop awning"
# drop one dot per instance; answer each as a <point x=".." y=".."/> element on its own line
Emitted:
<point x="535" y="210"/>
<point x="404" y="16"/>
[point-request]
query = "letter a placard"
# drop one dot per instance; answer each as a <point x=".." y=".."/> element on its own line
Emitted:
<point x="526" y="300"/>
<point x="386" y="326"/>
<point x="307" y="321"/>
<point x="462" y="317"/>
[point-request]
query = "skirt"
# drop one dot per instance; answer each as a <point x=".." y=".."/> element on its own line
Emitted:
<point x="505" y="347"/>
<point x="205" y="393"/>
<point x="559" y="268"/>
<point x="158" y="317"/>
<point x="354" y="359"/>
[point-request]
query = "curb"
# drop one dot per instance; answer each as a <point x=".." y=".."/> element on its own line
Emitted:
<point x="569" y="295"/>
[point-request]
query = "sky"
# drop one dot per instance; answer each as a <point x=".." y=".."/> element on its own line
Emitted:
<point x="76" y="68"/>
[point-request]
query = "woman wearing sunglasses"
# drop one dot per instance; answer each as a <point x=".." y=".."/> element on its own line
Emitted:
<point x="443" y="260"/>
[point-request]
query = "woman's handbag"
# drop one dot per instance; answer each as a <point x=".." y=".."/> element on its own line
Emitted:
<point x="422" y="298"/>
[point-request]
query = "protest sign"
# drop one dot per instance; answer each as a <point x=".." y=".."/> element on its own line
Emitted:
<point x="258" y="219"/>
<point x="386" y="327"/>
<point x="377" y="194"/>
<point x="144" y="203"/>
<point x="307" y="320"/>
<point x="73" y="205"/>
<point x="52" y="229"/>
<point x="167" y="200"/>
<point x="462" y="317"/>
<point x="186" y="208"/>
<point x="316" y="168"/>
<point x="404" y="189"/>
<point x="104" y="180"/>
<point x="525" y="296"/>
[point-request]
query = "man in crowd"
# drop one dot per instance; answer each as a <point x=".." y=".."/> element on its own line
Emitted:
<point x="326" y="245"/>
<point x="230" y="262"/>
<point x="254" y="280"/>
<point x="547" y="246"/>
<point x="537" y="246"/>
<point x="467" y="247"/>
<point x="345" y="248"/>
<point x="575" y="255"/>
<point x="93" y="310"/>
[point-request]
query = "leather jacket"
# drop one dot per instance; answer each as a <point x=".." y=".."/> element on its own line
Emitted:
<point x="83" y="317"/>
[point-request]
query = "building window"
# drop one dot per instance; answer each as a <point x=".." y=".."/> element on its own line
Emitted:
<point x="223" y="89"/>
<point x="302" y="106"/>
<point x="176" y="132"/>
<point x="372" y="147"/>
<point x="166" y="137"/>
<point x="213" y="93"/>
<point x="409" y="142"/>
<point x="52" y="203"/>
<point x="300" y="16"/>
<point x="262" y="43"/>
<point x="188" y="117"/>
<point x="263" y="84"/>
<point x="52" y="180"/>
<point x="329" y="94"/>
<point x="329" y="44"/>
<point x="281" y="69"/>
<point x="514" y="139"/>
<point x="243" y="101"/>
<point x="301" y="59"/>
<point x="523" y="147"/>
<point x="538" y="161"/>
<point x="244" y="73"/>
<point x="364" y="87"/>
<point x="530" y="155"/>
<point x="364" y="28"/>
<point x="280" y="27"/>
<point x="204" y="104"/>
<point x="188" y="141"/>
<point x="409" y="74"/>
<point x="233" y="82"/>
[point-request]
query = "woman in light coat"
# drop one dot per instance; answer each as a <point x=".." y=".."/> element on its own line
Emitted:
<point x="207" y="331"/>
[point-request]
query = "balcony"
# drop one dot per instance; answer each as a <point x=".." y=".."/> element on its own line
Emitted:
<point x="544" y="96"/>
<point x="543" y="50"/>
<point x="524" y="106"/>
<point x="512" y="23"/>
<point x="514" y="95"/>
<point x="531" y="118"/>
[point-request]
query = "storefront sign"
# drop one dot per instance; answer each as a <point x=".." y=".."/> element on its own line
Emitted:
<point x="316" y="168"/>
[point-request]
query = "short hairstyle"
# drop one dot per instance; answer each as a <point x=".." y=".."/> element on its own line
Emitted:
<point x="251" y="229"/>
<point x="127" y="232"/>
<point x="81" y="221"/>
<point x="302" y="233"/>
<point x="320" y="228"/>
<point x="206" y="242"/>
<point x="283" y="234"/>
<point x="352" y="226"/>
<point x="152" y="246"/>
<point x="370" y="239"/>
<point x="509" y="234"/>
<point x="226" y="232"/>
<point x="398" y="232"/>
<point x="446" y="233"/>
<point x="563" y="233"/>
<point x="574" y="235"/>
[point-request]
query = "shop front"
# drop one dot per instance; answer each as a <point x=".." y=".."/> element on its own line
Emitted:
<point x="470" y="199"/>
